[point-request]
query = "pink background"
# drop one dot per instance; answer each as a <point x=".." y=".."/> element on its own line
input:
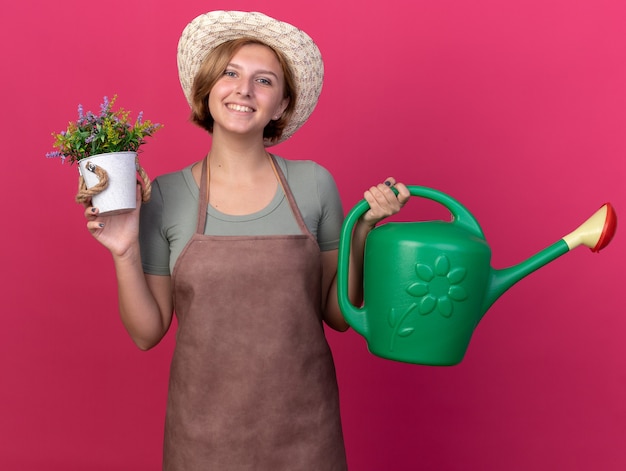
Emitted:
<point x="517" y="109"/>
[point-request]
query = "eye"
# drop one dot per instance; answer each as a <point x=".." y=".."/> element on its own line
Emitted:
<point x="230" y="73"/>
<point x="264" y="81"/>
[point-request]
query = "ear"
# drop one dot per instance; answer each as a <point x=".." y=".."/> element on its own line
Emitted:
<point x="281" y="109"/>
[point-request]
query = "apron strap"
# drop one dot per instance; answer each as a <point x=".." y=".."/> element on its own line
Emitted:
<point x="203" y="197"/>
<point x="292" y="201"/>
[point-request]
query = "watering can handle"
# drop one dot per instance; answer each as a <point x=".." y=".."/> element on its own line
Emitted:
<point x="460" y="216"/>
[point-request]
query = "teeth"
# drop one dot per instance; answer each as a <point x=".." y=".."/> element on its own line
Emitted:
<point x="244" y="109"/>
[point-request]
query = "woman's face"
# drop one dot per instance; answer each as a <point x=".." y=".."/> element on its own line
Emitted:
<point x="249" y="94"/>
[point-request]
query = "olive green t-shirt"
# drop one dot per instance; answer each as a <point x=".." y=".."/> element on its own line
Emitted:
<point x="169" y="219"/>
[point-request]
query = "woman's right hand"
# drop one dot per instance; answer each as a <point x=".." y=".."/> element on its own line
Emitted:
<point x="118" y="232"/>
<point x="145" y="301"/>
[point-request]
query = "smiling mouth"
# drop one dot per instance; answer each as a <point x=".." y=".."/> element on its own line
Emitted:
<point x="241" y="108"/>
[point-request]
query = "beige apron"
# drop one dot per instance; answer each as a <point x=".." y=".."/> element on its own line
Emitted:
<point x="252" y="382"/>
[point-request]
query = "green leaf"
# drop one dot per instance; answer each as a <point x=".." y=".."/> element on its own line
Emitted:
<point x="406" y="331"/>
<point x="392" y="317"/>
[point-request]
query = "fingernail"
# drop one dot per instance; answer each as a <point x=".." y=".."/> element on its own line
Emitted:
<point x="101" y="224"/>
<point x="388" y="183"/>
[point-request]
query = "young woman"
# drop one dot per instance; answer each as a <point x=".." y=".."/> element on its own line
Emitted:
<point x="243" y="247"/>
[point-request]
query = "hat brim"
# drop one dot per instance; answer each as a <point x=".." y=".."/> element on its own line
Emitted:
<point x="209" y="30"/>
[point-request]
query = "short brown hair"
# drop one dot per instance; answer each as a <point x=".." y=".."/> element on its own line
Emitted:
<point x="212" y="69"/>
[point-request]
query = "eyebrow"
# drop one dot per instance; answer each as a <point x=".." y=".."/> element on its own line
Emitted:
<point x="261" y="71"/>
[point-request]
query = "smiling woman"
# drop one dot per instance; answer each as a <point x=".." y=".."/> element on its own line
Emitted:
<point x="243" y="247"/>
<point x="251" y="96"/>
<point x="220" y="64"/>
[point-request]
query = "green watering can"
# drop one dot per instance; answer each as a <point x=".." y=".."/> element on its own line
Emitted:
<point x="428" y="284"/>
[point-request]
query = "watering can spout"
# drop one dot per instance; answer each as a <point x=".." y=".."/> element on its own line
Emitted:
<point x="595" y="233"/>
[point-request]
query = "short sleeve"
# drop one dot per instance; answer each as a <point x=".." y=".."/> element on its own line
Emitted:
<point x="331" y="218"/>
<point x="155" y="249"/>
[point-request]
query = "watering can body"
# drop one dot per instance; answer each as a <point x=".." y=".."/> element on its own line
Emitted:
<point x="429" y="301"/>
<point x="428" y="284"/>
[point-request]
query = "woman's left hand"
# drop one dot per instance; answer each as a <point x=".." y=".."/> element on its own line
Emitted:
<point x="383" y="201"/>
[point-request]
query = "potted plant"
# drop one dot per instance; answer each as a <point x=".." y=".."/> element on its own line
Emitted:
<point x="105" y="146"/>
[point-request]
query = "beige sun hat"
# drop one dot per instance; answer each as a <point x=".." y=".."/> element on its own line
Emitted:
<point x="211" y="29"/>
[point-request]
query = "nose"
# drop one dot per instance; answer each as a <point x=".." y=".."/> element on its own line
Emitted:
<point x="244" y="88"/>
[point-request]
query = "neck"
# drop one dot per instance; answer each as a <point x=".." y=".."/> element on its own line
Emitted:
<point x="237" y="156"/>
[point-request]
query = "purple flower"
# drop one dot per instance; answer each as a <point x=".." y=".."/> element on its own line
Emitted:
<point x="104" y="107"/>
<point x="55" y="154"/>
